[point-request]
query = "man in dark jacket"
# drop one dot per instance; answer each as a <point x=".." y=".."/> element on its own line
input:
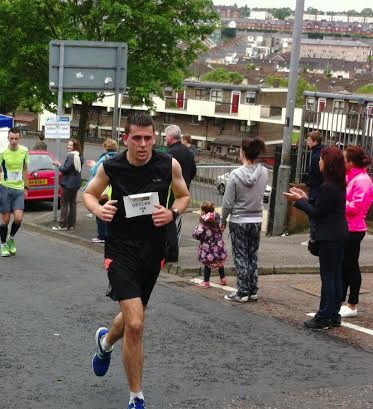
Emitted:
<point x="314" y="176"/>
<point x="188" y="167"/>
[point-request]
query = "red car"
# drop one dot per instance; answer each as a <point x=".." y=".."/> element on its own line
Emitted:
<point x="41" y="176"/>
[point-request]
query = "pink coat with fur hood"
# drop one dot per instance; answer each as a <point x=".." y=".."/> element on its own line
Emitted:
<point x="359" y="198"/>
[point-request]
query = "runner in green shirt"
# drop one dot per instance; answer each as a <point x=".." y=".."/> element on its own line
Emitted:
<point x="13" y="189"/>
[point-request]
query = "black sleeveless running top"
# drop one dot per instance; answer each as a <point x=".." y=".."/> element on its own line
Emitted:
<point x="127" y="179"/>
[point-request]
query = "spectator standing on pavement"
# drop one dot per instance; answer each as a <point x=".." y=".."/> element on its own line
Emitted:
<point x="211" y="250"/>
<point x="41" y="145"/>
<point x="314" y="176"/>
<point x="187" y="141"/>
<point x="331" y="232"/>
<point x="13" y="189"/>
<point x="111" y="150"/>
<point x="188" y="166"/>
<point x="243" y="202"/>
<point x="358" y="201"/>
<point x="71" y="181"/>
<point x="136" y="245"/>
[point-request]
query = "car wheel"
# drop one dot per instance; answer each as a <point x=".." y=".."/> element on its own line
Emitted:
<point x="221" y="188"/>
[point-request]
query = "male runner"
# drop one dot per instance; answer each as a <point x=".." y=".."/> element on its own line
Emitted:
<point x="135" y="245"/>
<point x="13" y="189"/>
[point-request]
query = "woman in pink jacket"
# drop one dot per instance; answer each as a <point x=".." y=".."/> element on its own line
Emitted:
<point x="358" y="201"/>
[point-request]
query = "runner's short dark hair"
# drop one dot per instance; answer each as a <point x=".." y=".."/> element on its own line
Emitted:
<point x="14" y="130"/>
<point x="139" y="118"/>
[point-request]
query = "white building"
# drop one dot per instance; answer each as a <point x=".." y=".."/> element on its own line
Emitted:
<point x="260" y="15"/>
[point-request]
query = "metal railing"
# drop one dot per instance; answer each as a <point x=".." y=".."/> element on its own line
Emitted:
<point x="337" y="128"/>
<point x="209" y="184"/>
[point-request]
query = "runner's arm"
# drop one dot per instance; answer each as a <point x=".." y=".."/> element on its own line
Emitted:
<point x="93" y="193"/>
<point x="25" y="175"/>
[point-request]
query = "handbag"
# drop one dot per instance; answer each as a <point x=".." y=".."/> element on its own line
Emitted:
<point x="313" y="247"/>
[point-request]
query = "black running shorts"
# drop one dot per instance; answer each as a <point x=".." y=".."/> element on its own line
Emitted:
<point x="133" y="271"/>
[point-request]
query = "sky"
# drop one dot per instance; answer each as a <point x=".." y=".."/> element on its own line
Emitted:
<point x="330" y="5"/>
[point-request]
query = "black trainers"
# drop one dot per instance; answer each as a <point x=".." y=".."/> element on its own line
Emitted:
<point x="237" y="297"/>
<point x="316" y="323"/>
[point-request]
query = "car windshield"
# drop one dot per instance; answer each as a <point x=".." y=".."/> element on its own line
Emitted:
<point x="40" y="162"/>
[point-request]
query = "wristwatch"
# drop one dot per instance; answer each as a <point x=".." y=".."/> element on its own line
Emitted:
<point x="175" y="212"/>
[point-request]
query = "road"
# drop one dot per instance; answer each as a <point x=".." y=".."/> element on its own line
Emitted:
<point x="200" y="352"/>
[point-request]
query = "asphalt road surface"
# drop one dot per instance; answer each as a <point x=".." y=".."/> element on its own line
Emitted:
<point x="200" y="353"/>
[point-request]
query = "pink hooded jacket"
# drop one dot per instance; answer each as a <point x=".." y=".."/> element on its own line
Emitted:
<point x="359" y="198"/>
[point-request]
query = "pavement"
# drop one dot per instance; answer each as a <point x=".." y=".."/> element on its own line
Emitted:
<point x="289" y="284"/>
<point x="277" y="254"/>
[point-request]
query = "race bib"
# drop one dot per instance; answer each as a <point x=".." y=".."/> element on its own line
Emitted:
<point x="14" y="176"/>
<point x="140" y="204"/>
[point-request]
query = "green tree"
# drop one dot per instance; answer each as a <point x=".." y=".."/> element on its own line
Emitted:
<point x="365" y="89"/>
<point x="303" y="85"/>
<point x="312" y="10"/>
<point x="281" y="13"/>
<point x="164" y="38"/>
<point x="367" y="12"/>
<point x="223" y="75"/>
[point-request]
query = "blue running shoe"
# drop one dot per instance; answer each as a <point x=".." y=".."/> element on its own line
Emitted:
<point x="101" y="359"/>
<point x="137" y="404"/>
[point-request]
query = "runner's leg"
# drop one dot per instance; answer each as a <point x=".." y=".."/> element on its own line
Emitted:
<point x="132" y="347"/>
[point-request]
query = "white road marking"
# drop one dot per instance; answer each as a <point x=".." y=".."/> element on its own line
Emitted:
<point x="351" y="326"/>
<point x="222" y="287"/>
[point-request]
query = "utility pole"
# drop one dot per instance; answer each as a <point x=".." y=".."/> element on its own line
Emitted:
<point x="281" y="204"/>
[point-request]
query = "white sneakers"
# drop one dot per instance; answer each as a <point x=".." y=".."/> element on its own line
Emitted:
<point x="346" y="311"/>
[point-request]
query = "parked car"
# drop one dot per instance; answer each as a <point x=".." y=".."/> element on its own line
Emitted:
<point x="222" y="180"/>
<point x="41" y="176"/>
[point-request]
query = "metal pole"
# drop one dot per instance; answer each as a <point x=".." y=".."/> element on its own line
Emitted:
<point x="281" y="205"/>
<point x="59" y="112"/>
<point x="114" y="132"/>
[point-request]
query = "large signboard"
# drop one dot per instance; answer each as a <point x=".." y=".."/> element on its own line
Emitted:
<point x="57" y="127"/>
<point x="91" y="66"/>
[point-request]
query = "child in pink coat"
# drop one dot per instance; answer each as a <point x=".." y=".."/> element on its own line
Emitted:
<point x="212" y="252"/>
<point x="358" y="201"/>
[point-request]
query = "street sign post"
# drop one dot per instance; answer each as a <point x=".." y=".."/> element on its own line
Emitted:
<point x="85" y="66"/>
<point x="57" y="127"/>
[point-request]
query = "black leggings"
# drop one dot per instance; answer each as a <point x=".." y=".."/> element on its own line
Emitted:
<point x="351" y="275"/>
<point x="207" y="273"/>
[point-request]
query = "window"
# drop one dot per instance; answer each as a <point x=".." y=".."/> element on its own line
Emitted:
<point x="354" y="107"/>
<point x="370" y="110"/>
<point x="168" y="92"/>
<point x="244" y="128"/>
<point x="216" y="95"/>
<point x="310" y="104"/>
<point x="250" y="97"/>
<point x="201" y="94"/>
<point x="195" y="120"/>
<point x="167" y="119"/>
<point x="338" y="104"/>
<point x="219" y="123"/>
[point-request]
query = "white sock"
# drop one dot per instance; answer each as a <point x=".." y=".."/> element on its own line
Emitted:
<point x="134" y="395"/>
<point x="105" y="345"/>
